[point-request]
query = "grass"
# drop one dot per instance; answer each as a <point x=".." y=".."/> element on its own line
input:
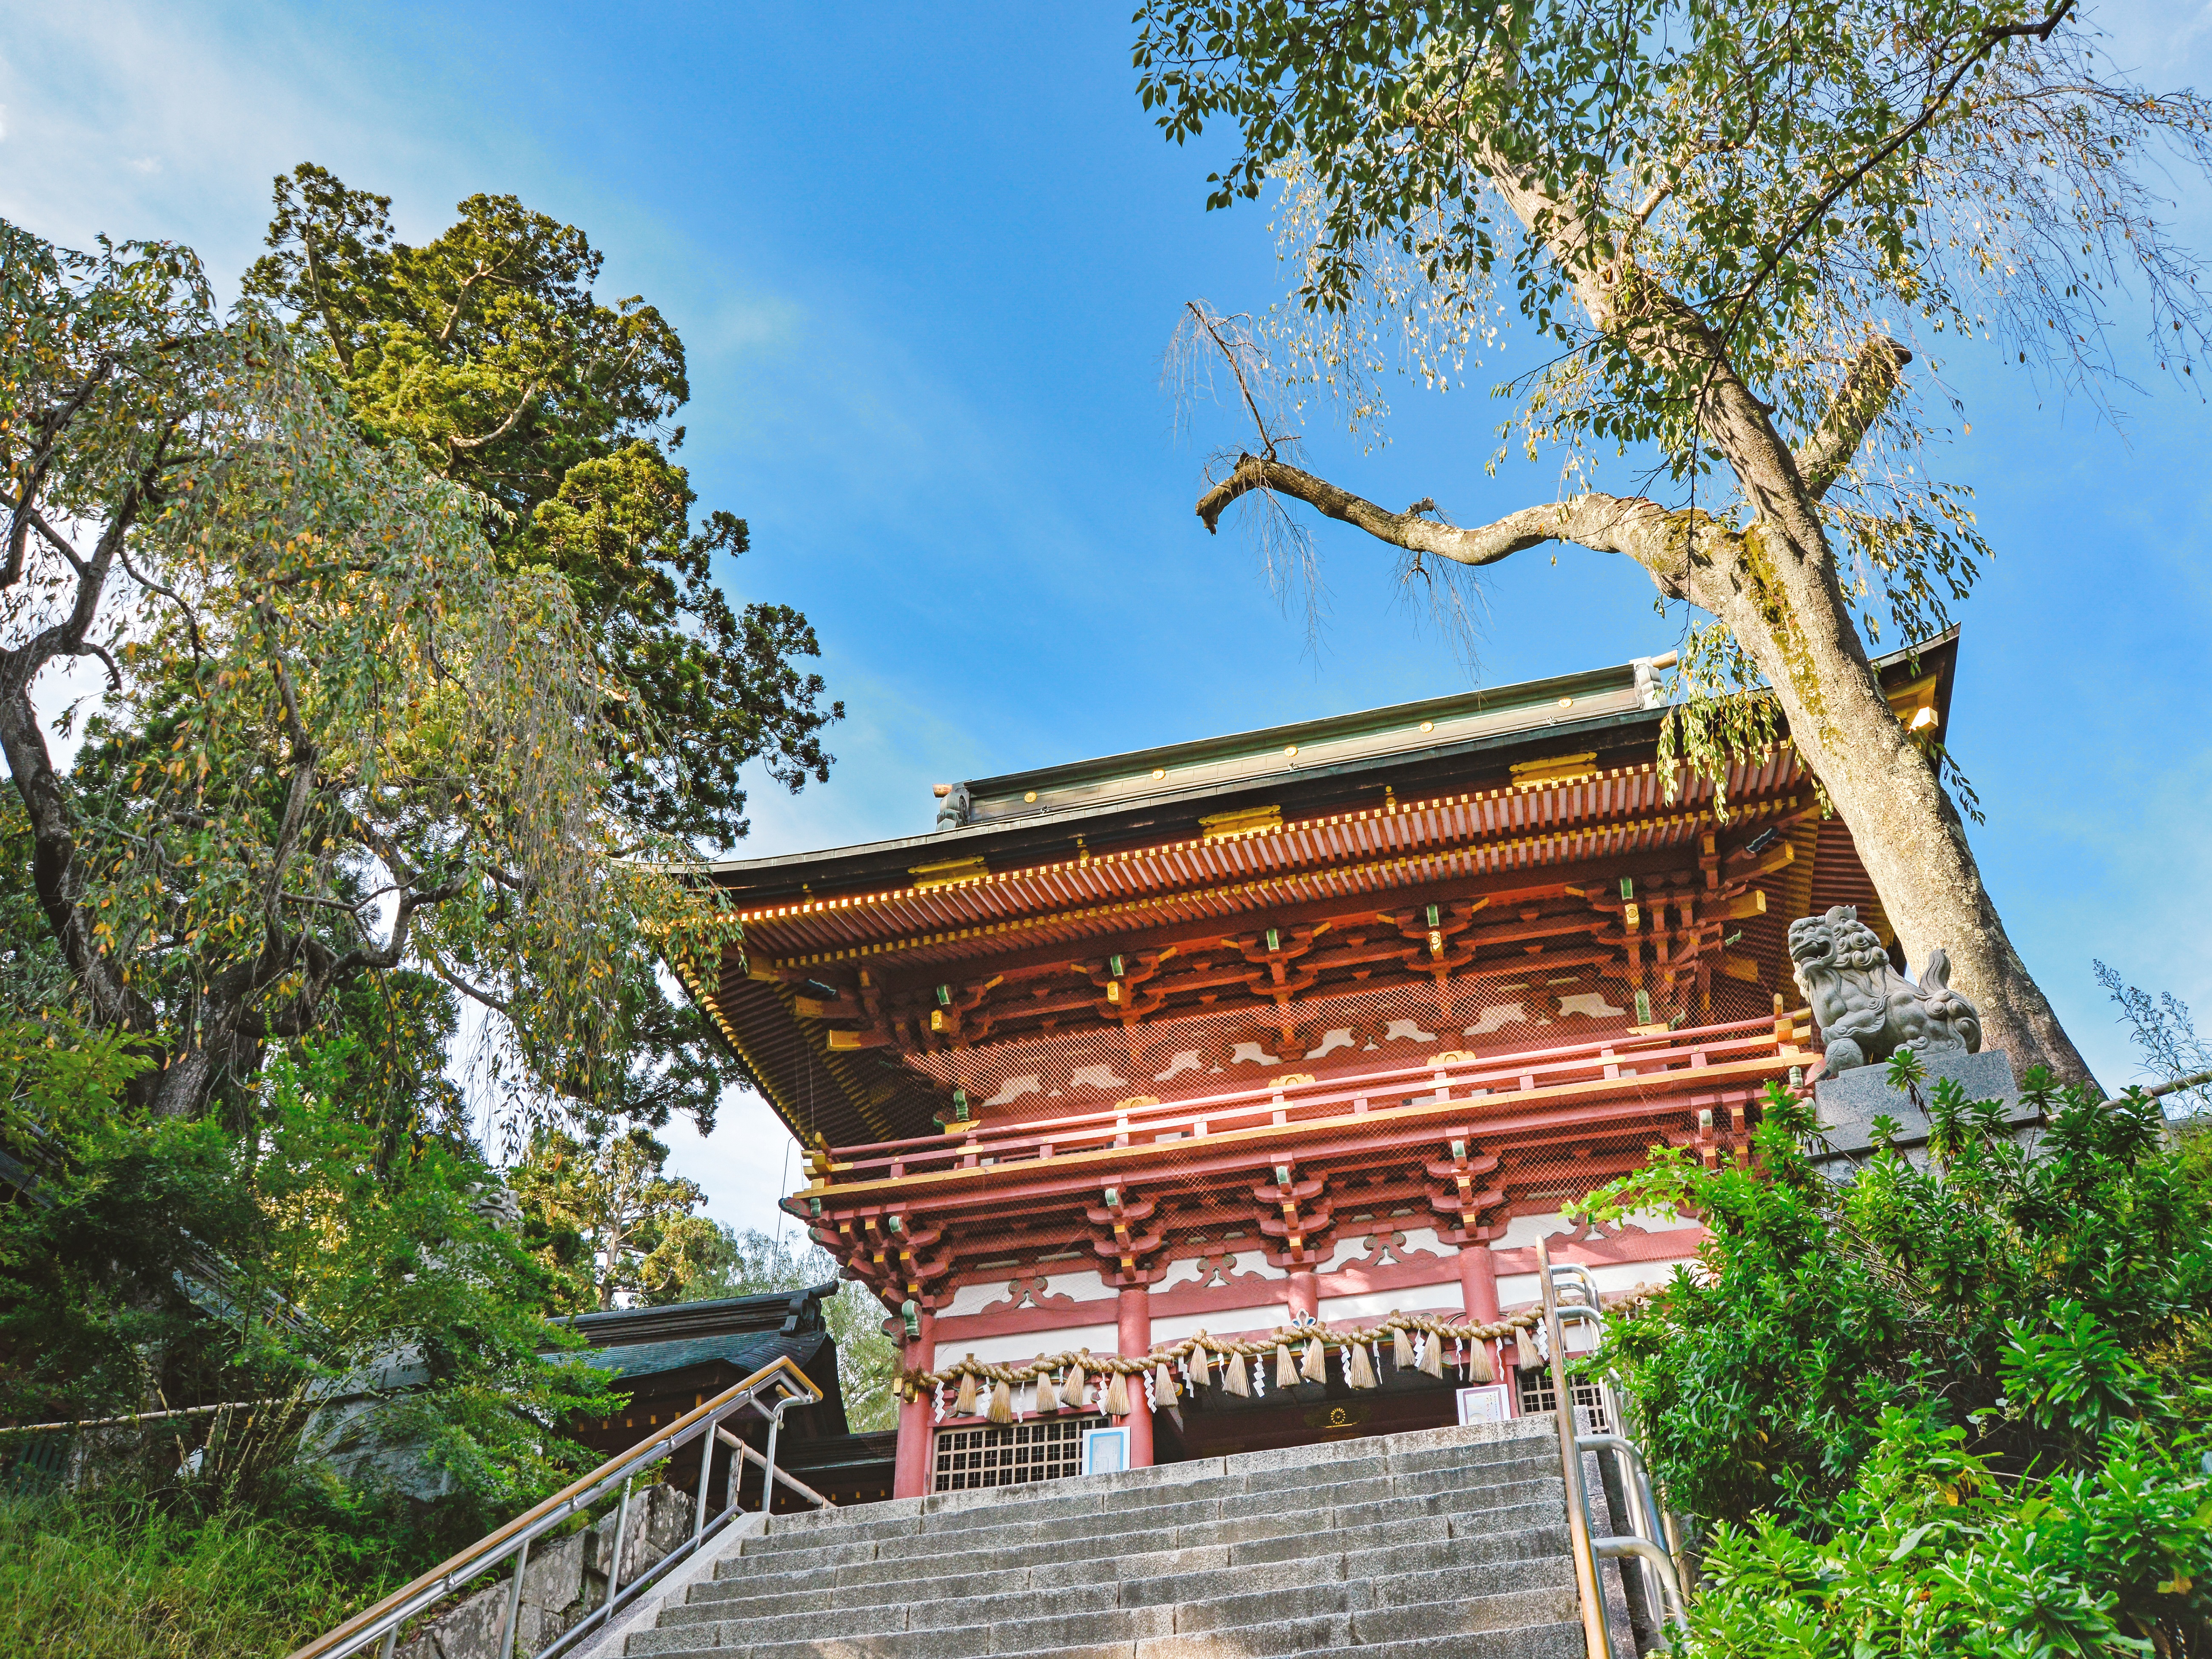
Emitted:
<point x="112" y="1579"/>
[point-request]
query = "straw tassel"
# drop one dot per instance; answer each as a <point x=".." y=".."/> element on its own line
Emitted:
<point x="1002" y="1403"/>
<point x="1117" y="1397"/>
<point x="1047" y="1397"/>
<point x="1401" y="1349"/>
<point x="1316" y="1369"/>
<point x="965" y="1406"/>
<point x="1524" y="1351"/>
<point x="1357" y="1371"/>
<point x="1432" y="1356"/>
<point x="1478" y="1366"/>
<point x="1203" y="1368"/>
<point x="1164" y="1385"/>
<point x="1072" y="1391"/>
<point x="1287" y="1370"/>
<point x="1232" y="1377"/>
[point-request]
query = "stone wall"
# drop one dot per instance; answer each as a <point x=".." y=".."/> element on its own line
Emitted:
<point x="565" y="1580"/>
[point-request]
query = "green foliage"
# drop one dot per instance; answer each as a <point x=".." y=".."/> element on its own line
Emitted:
<point x="604" y="1218"/>
<point x="329" y="695"/>
<point x="1961" y="1408"/>
<point x="487" y="350"/>
<point x="111" y="1577"/>
<point x="169" y="1260"/>
<point x="1934" y="1551"/>
<point x="747" y="1262"/>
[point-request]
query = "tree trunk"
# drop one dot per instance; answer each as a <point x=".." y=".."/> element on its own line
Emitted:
<point x="1781" y="597"/>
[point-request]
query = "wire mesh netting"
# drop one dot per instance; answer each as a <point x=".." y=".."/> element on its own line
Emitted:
<point x="1363" y="1031"/>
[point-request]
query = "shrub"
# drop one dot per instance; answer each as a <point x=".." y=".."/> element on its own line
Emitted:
<point x="1961" y="1408"/>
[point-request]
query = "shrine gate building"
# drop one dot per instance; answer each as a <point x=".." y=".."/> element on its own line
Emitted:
<point x="1300" y="1030"/>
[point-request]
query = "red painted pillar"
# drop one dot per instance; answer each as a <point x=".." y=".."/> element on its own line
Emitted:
<point x="1304" y="1293"/>
<point x="1132" y="1313"/>
<point x="910" y="1472"/>
<point x="1478" y="1281"/>
<point x="1478" y="1288"/>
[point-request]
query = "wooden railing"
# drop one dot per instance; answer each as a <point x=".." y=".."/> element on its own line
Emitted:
<point x="1292" y="1098"/>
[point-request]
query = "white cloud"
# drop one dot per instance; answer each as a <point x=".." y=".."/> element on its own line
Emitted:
<point x="170" y="121"/>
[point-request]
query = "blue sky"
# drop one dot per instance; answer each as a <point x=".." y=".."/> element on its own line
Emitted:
<point x="926" y="261"/>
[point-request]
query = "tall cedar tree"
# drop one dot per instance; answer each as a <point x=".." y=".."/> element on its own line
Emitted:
<point x="486" y="350"/>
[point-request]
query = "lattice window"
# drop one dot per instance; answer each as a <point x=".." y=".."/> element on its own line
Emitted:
<point x="1537" y="1394"/>
<point x="1008" y="1455"/>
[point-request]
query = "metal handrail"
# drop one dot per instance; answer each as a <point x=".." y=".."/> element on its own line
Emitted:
<point x="1645" y="1539"/>
<point x="380" y="1625"/>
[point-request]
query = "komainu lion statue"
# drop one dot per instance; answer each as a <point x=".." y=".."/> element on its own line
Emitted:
<point x="1865" y="1010"/>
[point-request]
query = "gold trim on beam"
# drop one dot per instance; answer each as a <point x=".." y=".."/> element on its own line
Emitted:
<point x="1554" y="768"/>
<point x="1088" y="860"/>
<point x="1251" y="820"/>
<point x="1287" y="880"/>
<point x="948" y="872"/>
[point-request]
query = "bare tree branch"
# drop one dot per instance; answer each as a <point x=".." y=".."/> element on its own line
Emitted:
<point x="1930" y="107"/>
<point x="91" y="648"/>
<point x="1647" y="532"/>
<point x="529" y="396"/>
<point x="1858" y="404"/>
<point x="475" y="992"/>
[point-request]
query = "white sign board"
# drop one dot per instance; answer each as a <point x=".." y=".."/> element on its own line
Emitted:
<point x="1491" y="1403"/>
<point x="1105" y="1452"/>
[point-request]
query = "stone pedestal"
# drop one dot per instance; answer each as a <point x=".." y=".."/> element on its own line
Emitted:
<point x="1847" y="1106"/>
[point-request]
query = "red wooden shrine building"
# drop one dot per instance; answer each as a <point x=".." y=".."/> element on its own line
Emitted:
<point x="1318" y="1023"/>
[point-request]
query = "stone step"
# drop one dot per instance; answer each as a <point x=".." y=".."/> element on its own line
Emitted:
<point x="1081" y="1515"/>
<point x="1324" y="1639"/>
<point x="1383" y="1544"/>
<point x="1409" y="1546"/>
<point x="1051" y="1501"/>
<point x="1323" y="1619"/>
<point x="1205" y="1601"/>
<point x="1244" y="1539"/>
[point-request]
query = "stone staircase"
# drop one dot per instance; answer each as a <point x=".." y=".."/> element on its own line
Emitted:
<point x="1386" y="1544"/>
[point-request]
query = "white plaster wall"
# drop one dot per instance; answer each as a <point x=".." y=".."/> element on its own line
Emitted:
<point x="1247" y="1264"/>
<point x="1525" y="1229"/>
<point x="1414" y="1298"/>
<point x="1028" y="1344"/>
<point x="1518" y="1289"/>
<point x="1420" y="1241"/>
<point x="1187" y="1272"/>
<point x="1352" y="1249"/>
<point x="1083" y="1286"/>
<point x="1657" y="1221"/>
<point x="1219" y="1321"/>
